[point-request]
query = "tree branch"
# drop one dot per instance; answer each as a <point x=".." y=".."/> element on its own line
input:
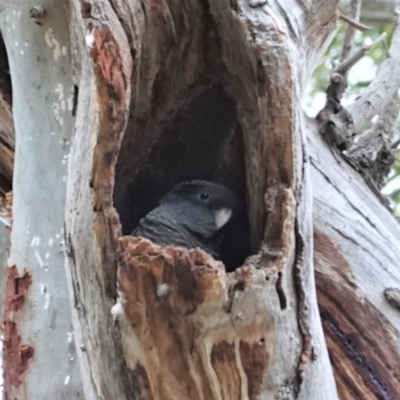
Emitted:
<point x="355" y="8"/>
<point x="344" y="66"/>
<point x="353" y="23"/>
<point x="372" y="11"/>
<point x="384" y="86"/>
<point x="334" y="121"/>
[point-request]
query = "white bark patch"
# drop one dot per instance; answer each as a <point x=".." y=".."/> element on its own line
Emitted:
<point x="35" y="241"/>
<point x="60" y="91"/>
<point x="56" y="111"/>
<point x="162" y="289"/>
<point x="118" y="308"/>
<point x="222" y="216"/>
<point x="39" y="259"/>
<point x="51" y="242"/>
<point x="47" y="300"/>
<point x="70" y="103"/>
<point x="53" y="43"/>
<point x="89" y="38"/>
<point x="65" y="159"/>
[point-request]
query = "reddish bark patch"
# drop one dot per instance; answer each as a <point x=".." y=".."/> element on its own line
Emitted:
<point x="163" y="287"/>
<point x="8" y="203"/>
<point x="15" y="354"/>
<point x="223" y="360"/>
<point x="364" y="359"/>
<point x="254" y="358"/>
<point x="16" y="289"/>
<point x="112" y="70"/>
<point x="106" y="54"/>
<point x="306" y="354"/>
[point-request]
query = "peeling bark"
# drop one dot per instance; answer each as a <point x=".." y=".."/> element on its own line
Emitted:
<point x="16" y="355"/>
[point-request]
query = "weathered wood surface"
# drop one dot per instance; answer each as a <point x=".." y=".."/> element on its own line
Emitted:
<point x="357" y="257"/>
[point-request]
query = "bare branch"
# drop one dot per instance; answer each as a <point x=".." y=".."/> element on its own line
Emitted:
<point x="395" y="144"/>
<point x="384" y="86"/>
<point x="355" y="24"/>
<point x="355" y="8"/>
<point x="372" y="11"/>
<point x="345" y="66"/>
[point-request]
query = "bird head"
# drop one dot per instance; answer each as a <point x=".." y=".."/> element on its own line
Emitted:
<point x="203" y="207"/>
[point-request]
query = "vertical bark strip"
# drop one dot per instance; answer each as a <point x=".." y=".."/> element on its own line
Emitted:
<point x="39" y="352"/>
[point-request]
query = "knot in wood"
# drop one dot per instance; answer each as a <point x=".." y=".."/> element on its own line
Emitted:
<point x="38" y="13"/>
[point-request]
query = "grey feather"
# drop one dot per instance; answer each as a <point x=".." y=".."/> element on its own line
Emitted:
<point x="190" y="216"/>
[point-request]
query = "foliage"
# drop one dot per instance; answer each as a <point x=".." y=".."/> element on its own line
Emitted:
<point x="360" y="77"/>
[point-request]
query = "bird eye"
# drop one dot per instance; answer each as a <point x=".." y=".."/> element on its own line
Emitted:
<point x="204" y="196"/>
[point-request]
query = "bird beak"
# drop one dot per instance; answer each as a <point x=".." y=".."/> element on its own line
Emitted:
<point x="222" y="216"/>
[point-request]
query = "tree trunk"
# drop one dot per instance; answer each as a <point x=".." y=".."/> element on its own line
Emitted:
<point x="39" y="352"/>
<point x="165" y="92"/>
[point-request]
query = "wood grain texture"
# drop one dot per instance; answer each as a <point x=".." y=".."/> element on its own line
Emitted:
<point x="356" y="260"/>
<point x="185" y="344"/>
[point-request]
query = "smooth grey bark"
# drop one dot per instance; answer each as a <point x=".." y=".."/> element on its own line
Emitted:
<point x="41" y="73"/>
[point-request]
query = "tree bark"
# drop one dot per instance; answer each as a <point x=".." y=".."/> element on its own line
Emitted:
<point x="356" y="258"/>
<point x="183" y="327"/>
<point x="165" y="92"/>
<point x="39" y="351"/>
